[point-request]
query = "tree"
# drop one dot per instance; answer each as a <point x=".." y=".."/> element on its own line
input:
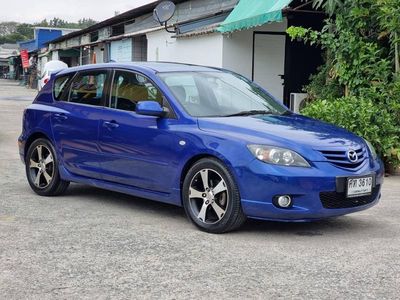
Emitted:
<point x="7" y="28"/>
<point x="25" y="30"/>
<point x="12" y="32"/>
<point x="86" y="22"/>
<point x="329" y="6"/>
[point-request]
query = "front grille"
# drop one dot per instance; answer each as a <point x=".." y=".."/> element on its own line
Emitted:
<point x="339" y="200"/>
<point x="339" y="157"/>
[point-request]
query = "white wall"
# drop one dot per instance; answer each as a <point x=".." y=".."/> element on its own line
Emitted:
<point x="238" y="47"/>
<point x="202" y="50"/>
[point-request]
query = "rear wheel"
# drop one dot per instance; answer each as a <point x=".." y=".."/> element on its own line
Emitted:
<point x="41" y="167"/>
<point x="211" y="198"/>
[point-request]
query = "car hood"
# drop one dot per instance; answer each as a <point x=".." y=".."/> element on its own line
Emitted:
<point x="282" y="130"/>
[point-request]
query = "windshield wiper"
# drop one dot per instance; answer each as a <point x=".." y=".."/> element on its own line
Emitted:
<point x="249" y="113"/>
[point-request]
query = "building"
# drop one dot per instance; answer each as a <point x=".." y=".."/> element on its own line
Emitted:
<point x="246" y="36"/>
<point x="7" y="51"/>
<point x="37" y="46"/>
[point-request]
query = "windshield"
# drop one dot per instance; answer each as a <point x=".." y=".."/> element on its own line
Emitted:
<point x="212" y="94"/>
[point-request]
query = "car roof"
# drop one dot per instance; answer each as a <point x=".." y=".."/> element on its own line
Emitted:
<point x="156" y="67"/>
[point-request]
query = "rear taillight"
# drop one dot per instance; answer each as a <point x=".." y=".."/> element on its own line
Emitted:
<point x="46" y="81"/>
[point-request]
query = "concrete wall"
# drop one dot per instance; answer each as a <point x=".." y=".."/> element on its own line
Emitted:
<point x="238" y="47"/>
<point x="202" y="50"/>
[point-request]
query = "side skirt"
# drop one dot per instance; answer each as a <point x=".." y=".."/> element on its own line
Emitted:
<point x="170" y="198"/>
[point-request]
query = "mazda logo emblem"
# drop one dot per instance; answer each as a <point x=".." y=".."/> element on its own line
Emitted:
<point x="352" y="156"/>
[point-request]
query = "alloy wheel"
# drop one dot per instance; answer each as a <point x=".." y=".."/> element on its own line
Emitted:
<point x="208" y="196"/>
<point x="41" y="166"/>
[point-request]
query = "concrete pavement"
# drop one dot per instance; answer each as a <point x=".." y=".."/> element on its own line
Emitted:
<point x="95" y="244"/>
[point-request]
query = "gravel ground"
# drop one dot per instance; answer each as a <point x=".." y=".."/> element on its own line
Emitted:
<point x="95" y="244"/>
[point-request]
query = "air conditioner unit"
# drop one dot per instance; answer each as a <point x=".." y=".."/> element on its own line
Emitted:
<point x="296" y="101"/>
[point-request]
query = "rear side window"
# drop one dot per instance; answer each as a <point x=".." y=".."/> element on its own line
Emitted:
<point x="60" y="88"/>
<point x="88" y="88"/>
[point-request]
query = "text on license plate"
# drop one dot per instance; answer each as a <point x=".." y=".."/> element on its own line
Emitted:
<point x="359" y="186"/>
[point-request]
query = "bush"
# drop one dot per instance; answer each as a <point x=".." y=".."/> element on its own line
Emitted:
<point x="364" y="117"/>
<point x="323" y="86"/>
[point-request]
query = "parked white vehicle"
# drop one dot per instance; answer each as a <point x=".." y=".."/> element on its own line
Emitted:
<point x="49" y="68"/>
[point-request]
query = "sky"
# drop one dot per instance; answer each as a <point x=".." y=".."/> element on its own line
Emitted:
<point x="31" y="11"/>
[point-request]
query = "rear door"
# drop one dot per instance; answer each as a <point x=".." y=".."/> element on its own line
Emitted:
<point x="76" y="123"/>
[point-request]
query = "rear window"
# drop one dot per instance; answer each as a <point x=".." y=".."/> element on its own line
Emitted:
<point x="60" y="88"/>
<point x="88" y="88"/>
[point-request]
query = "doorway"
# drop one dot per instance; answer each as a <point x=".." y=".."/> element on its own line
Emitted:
<point x="269" y="62"/>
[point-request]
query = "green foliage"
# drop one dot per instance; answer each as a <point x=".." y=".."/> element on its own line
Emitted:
<point x="7" y="27"/>
<point x="57" y="22"/>
<point x="12" y="38"/>
<point x="323" y="85"/>
<point x="330" y="6"/>
<point x="25" y="30"/>
<point x="358" y="87"/>
<point x="364" y="117"/>
<point x="357" y="57"/>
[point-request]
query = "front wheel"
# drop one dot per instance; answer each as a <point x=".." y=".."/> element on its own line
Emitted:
<point x="41" y="167"/>
<point x="211" y="197"/>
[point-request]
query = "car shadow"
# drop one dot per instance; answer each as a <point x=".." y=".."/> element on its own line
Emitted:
<point x="92" y="193"/>
<point x="332" y="226"/>
<point x="343" y="225"/>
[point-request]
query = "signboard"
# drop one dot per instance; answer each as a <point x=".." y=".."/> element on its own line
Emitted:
<point x="25" y="59"/>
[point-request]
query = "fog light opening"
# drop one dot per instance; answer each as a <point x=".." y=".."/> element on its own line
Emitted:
<point x="284" y="201"/>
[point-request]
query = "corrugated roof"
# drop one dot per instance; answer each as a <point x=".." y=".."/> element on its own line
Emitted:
<point x="121" y="18"/>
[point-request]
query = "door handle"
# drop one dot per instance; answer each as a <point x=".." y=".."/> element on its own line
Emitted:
<point x="111" y="124"/>
<point x="60" y="116"/>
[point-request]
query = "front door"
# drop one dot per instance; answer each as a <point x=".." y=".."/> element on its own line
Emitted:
<point x="76" y="123"/>
<point x="269" y="62"/>
<point x="137" y="150"/>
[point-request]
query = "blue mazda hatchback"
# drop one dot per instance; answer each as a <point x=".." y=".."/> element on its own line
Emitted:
<point x="202" y="138"/>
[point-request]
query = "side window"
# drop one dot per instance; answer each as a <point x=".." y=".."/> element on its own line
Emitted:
<point x="60" y="88"/>
<point x="88" y="88"/>
<point x="129" y="88"/>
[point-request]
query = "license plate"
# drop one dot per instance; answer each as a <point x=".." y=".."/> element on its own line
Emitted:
<point x="359" y="186"/>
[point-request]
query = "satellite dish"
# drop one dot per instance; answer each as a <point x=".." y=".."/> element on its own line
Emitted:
<point x="163" y="12"/>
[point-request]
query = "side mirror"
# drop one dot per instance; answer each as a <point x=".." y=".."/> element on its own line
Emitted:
<point x="150" y="108"/>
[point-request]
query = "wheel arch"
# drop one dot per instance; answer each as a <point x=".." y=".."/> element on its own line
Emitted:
<point x="190" y="162"/>
<point x="33" y="137"/>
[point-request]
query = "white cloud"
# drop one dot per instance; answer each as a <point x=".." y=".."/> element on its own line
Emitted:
<point x="31" y="11"/>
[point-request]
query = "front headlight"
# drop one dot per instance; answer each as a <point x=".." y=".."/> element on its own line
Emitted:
<point x="278" y="156"/>
<point x="371" y="149"/>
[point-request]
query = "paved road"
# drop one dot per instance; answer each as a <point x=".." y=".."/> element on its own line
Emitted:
<point x="94" y="244"/>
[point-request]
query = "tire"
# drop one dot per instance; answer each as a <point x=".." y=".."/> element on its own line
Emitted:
<point x="44" y="161"/>
<point x="213" y="207"/>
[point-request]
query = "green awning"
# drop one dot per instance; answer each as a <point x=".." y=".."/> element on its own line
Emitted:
<point x="252" y="13"/>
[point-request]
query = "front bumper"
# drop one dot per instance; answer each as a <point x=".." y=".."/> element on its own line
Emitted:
<point x="260" y="182"/>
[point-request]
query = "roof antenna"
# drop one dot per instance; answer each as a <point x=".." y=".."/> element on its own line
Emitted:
<point x="163" y="12"/>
